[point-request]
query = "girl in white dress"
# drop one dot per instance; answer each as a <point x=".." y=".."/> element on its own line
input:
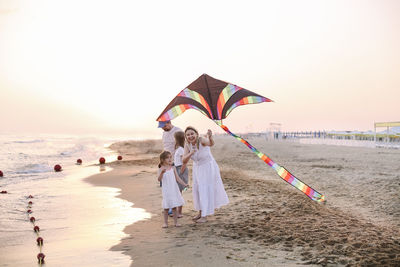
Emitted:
<point x="183" y="173"/>
<point x="172" y="197"/>
<point x="208" y="189"/>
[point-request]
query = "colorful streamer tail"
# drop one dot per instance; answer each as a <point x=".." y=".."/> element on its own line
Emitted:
<point x="282" y="172"/>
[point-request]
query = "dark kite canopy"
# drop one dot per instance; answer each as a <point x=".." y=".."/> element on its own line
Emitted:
<point x="213" y="97"/>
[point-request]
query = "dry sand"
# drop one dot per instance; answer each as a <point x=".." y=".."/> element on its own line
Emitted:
<point x="268" y="222"/>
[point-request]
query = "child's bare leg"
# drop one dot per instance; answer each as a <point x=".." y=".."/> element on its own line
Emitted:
<point x="180" y="212"/>
<point x="175" y="214"/>
<point x="165" y="213"/>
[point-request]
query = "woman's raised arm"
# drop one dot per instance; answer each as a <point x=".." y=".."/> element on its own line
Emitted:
<point x="186" y="154"/>
<point x="209" y="141"/>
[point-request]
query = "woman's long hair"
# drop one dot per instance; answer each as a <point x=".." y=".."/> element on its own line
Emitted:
<point x="163" y="156"/>
<point x="194" y="130"/>
<point x="179" y="139"/>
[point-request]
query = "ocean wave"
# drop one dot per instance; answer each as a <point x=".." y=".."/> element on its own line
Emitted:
<point x="78" y="148"/>
<point x="33" y="168"/>
<point x="26" y="141"/>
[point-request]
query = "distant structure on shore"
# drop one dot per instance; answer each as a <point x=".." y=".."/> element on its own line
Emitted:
<point x="392" y="130"/>
<point x="274" y="130"/>
<point x="387" y="138"/>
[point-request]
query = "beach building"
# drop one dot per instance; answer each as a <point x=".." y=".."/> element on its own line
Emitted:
<point x="391" y="134"/>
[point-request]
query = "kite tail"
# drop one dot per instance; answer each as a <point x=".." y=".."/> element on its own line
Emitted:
<point x="282" y="172"/>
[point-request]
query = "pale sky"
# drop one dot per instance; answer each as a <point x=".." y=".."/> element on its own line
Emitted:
<point x="113" y="66"/>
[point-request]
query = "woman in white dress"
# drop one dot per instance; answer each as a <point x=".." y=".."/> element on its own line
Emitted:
<point x="208" y="189"/>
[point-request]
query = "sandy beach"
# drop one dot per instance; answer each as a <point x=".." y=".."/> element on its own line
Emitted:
<point x="268" y="222"/>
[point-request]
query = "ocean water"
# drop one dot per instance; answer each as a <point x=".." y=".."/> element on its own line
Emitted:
<point x="79" y="222"/>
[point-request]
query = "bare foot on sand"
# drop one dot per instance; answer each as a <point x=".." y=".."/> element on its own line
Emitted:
<point x="165" y="226"/>
<point x="180" y="216"/>
<point x="178" y="225"/>
<point x="202" y="220"/>
<point x="196" y="217"/>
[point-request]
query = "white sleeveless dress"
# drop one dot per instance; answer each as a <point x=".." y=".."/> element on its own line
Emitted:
<point x="172" y="197"/>
<point x="208" y="189"/>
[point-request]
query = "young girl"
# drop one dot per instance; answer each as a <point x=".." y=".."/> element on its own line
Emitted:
<point x="182" y="171"/>
<point x="172" y="198"/>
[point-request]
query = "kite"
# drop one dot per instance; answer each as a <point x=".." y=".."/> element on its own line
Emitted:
<point x="216" y="99"/>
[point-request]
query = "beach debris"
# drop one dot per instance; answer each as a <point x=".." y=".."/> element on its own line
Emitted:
<point x="39" y="241"/>
<point x="36" y="228"/>
<point x="57" y="168"/>
<point x="3" y="192"/>
<point x="40" y="257"/>
<point x="32" y="219"/>
<point x="119" y="158"/>
<point x="1" y="174"/>
<point x="79" y="161"/>
<point x="216" y="99"/>
<point x="102" y="160"/>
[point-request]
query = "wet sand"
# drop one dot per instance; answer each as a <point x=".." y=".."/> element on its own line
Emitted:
<point x="268" y="222"/>
<point x="78" y="222"/>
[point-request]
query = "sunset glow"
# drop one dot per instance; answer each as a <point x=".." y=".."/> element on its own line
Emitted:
<point x="113" y="66"/>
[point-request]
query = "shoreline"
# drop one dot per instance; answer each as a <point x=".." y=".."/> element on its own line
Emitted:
<point x="70" y="218"/>
<point x="65" y="208"/>
<point x="267" y="222"/>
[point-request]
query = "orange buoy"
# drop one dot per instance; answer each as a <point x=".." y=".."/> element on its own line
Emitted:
<point x="30" y="196"/>
<point x="3" y="192"/>
<point x="32" y="219"/>
<point x="102" y="160"/>
<point x="36" y="228"/>
<point x="30" y="202"/>
<point x="1" y="174"/>
<point x="57" y="168"/>
<point x="40" y="257"/>
<point x="119" y="157"/>
<point x="39" y="241"/>
<point x="28" y="211"/>
<point x="79" y="161"/>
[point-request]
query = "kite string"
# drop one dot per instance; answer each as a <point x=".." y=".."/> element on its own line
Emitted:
<point x="281" y="171"/>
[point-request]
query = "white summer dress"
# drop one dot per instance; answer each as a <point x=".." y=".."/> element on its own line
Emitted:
<point x="208" y="189"/>
<point x="172" y="197"/>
